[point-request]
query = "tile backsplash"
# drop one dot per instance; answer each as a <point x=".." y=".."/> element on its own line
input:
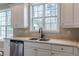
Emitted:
<point x="70" y="34"/>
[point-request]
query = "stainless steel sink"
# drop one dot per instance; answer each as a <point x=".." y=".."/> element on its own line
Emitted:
<point x="34" y="39"/>
<point x="40" y="39"/>
<point x="44" y="39"/>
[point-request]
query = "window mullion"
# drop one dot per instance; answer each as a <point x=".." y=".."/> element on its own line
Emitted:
<point x="44" y="16"/>
<point x="6" y="25"/>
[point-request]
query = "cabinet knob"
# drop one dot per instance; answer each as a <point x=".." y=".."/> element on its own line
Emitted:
<point x="52" y="53"/>
<point x="36" y="49"/>
<point x="62" y="49"/>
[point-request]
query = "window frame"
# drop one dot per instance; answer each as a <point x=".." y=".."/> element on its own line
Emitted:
<point x="58" y="19"/>
<point x="5" y="10"/>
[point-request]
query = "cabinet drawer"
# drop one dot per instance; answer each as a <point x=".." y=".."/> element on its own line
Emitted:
<point x="55" y="53"/>
<point x="62" y="48"/>
<point x="38" y="45"/>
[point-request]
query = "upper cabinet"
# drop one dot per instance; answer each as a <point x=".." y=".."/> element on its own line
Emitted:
<point x="70" y="15"/>
<point x="67" y="15"/>
<point x="76" y="15"/>
<point x="19" y="15"/>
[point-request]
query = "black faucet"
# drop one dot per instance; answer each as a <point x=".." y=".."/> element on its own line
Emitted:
<point x="41" y="33"/>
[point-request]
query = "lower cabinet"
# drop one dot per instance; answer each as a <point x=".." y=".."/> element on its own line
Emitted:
<point x="52" y="50"/>
<point x="29" y="51"/>
<point x="42" y="49"/>
<point x="60" y="50"/>
<point x="35" y="51"/>
<point x="43" y="52"/>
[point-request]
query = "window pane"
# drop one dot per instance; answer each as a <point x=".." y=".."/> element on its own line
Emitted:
<point x="9" y="28"/>
<point x="51" y="9"/>
<point x="9" y="32"/>
<point x="47" y="20"/>
<point x="37" y="23"/>
<point x="54" y="27"/>
<point x="2" y="33"/>
<point x="51" y="23"/>
<point x="36" y="26"/>
<point x="2" y="28"/>
<point x="51" y="20"/>
<point x="37" y="20"/>
<point x="47" y="27"/>
<point x="37" y="11"/>
<point x="3" y="14"/>
<point x="2" y="20"/>
<point x="54" y="20"/>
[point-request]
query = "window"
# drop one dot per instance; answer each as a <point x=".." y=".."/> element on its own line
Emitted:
<point x="5" y="24"/>
<point x="46" y="16"/>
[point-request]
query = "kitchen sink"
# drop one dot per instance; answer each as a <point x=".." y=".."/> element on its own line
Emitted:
<point x="34" y="39"/>
<point x="43" y="39"/>
<point x="40" y="39"/>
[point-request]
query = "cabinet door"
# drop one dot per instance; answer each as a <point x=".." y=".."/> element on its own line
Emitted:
<point x="19" y="15"/>
<point x="43" y="52"/>
<point x="29" y="51"/>
<point x="76" y="51"/>
<point x="76" y="15"/>
<point x="7" y="47"/>
<point x="67" y="15"/>
<point x="55" y="53"/>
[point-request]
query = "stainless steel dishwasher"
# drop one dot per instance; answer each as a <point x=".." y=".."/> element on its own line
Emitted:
<point x="16" y="48"/>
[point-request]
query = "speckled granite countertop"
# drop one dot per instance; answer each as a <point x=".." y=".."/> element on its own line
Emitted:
<point x="51" y="41"/>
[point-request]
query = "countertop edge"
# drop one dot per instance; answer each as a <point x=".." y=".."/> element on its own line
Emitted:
<point x="51" y="41"/>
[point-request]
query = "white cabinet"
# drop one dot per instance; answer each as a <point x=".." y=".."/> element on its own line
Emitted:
<point x="40" y="49"/>
<point x="70" y="15"/>
<point x="59" y="50"/>
<point x="19" y="15"/>
<point x="32" y="51"/>
<point x="43" y="49"/>
<point x="43" y="52"/>
<point x="37" y="49"/>
<point x="57" y="53"/>
<point x="7" y="47"/>
<point x="67" y="15"/>
<point x="76" y="51"/>
<point x="76" y="15"/>
<point x="29" y="51"/>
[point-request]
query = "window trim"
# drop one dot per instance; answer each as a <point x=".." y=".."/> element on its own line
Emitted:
<point x="58" y="19"/>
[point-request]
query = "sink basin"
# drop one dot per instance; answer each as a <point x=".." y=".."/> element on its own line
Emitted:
<point x="34" y="39"/>
<point x="40" y="39"/>
<point x="44" y="39"/>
